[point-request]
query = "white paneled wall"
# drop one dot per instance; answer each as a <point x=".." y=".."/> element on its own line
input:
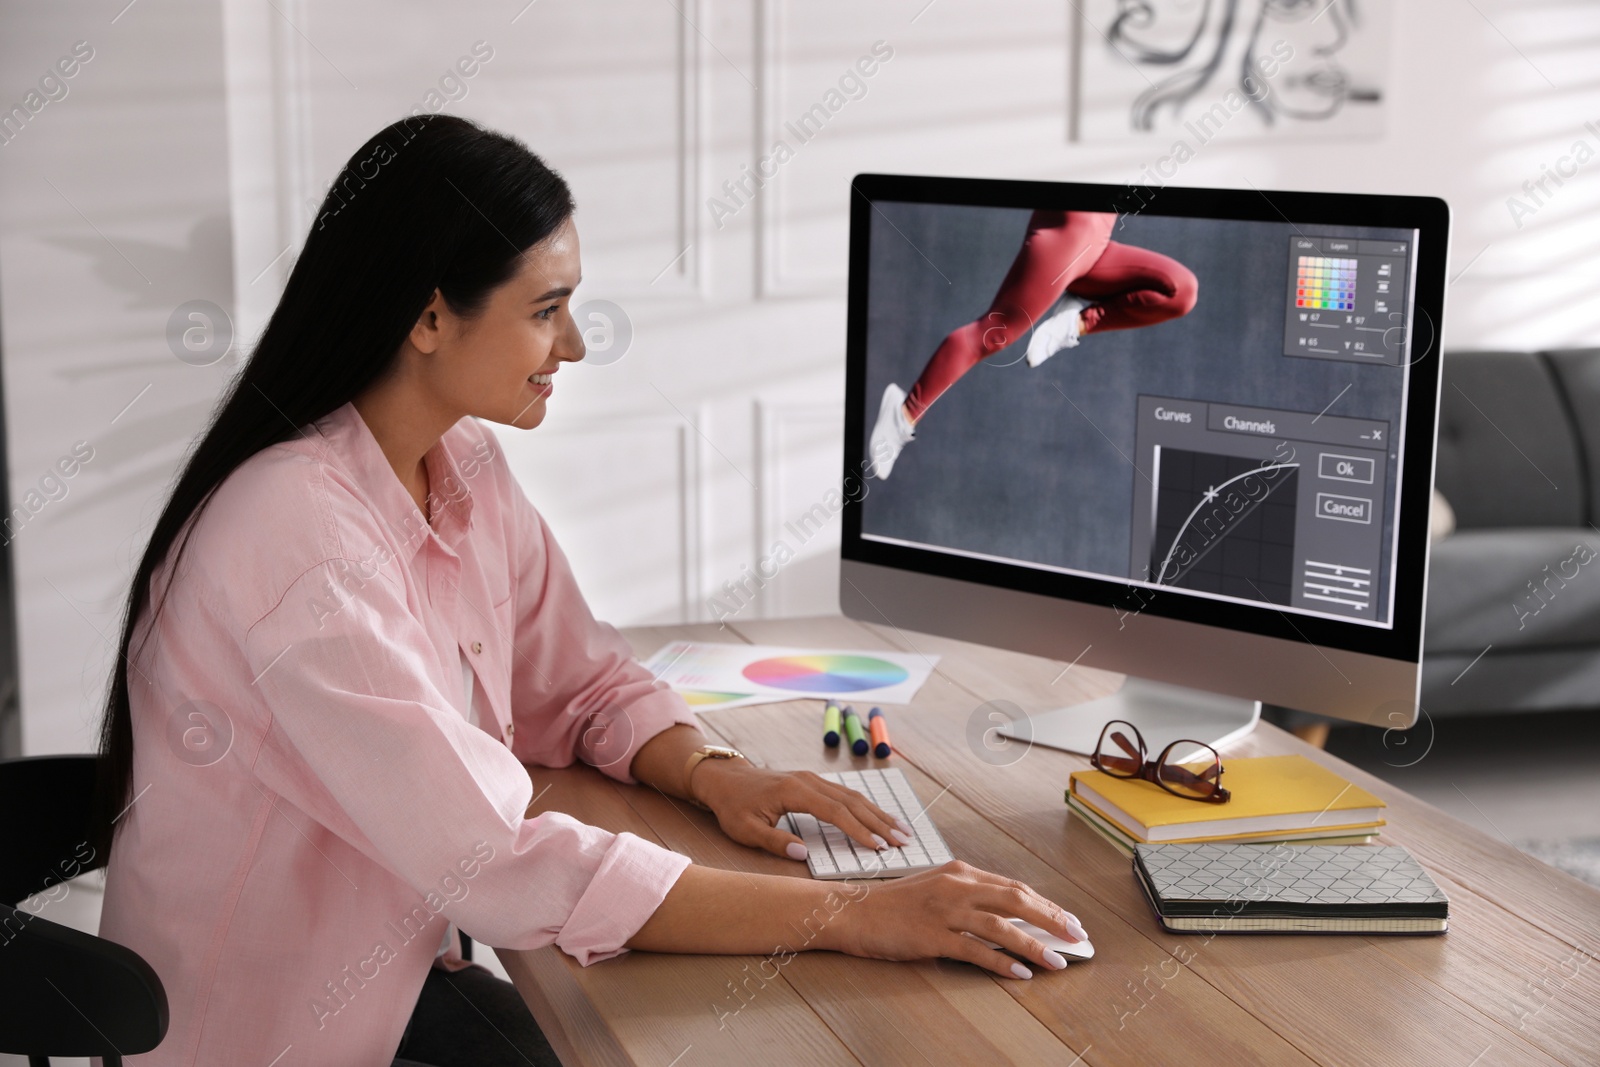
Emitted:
<point x="794" y="554"/>
<point x="114" y="210"/>
<point x="186" y="161"/>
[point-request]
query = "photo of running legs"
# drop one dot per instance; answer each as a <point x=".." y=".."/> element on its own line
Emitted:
<point x="1069" y="280"/>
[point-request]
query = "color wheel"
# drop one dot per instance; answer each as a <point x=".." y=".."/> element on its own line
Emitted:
<point x="825" y="673"/>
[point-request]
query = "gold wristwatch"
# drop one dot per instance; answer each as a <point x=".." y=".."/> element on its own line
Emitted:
<point x="706" y="752"/>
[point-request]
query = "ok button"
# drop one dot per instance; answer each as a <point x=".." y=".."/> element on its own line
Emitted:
<point x="1339" y="468"/>
<point x="1344" y="508"/>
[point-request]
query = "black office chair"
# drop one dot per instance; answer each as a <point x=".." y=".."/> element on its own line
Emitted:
<point x="65" y="993"/>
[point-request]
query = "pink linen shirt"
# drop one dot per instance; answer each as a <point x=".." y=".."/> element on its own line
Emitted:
<point x="314" y="804"/>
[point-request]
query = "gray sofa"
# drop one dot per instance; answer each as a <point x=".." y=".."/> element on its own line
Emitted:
<point x="1519" y="462"/>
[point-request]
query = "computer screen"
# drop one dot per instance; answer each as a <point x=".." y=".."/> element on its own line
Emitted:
<point x="1197" y="404"/>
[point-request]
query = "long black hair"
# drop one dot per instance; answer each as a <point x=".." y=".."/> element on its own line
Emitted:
<point x="430" y="202"/>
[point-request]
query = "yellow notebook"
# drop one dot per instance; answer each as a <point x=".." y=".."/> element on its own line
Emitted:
<point x="1269" y="794"/>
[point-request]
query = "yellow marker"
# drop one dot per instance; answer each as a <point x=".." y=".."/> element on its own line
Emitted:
<point x="830" y="725"/>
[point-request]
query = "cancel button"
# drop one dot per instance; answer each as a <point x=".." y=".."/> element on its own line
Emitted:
<point x="1344" y="508"/>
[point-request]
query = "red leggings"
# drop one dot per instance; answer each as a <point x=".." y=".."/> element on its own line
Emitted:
<point x="1063" y="250"/>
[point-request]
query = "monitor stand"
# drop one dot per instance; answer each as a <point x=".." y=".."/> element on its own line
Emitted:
<point x="1163" y="713"/>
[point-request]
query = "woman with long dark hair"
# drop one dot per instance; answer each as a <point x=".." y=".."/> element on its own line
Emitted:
<point x="349" y="632"/>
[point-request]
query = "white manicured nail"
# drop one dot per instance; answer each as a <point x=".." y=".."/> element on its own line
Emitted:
<point x="1054" y="958"/>
<point x="880" y="842"/>
<point x="900" y="838"/>
<point x="1020" y="971"/>
<point x="796" y="851"/>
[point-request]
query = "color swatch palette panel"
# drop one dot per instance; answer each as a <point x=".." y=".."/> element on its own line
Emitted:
<point x="1326" y="283"/>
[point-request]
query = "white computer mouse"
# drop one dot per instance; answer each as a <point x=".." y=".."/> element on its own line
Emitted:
<point x="1072" y="950"/>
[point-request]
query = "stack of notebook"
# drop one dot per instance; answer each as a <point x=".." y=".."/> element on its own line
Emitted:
<point x="1274" y="798"/>
<point x="1290" y="888"/>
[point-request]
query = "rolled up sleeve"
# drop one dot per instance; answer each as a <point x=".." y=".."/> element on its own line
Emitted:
<point x="630" y="883"/>
<point x="360" y="737"/>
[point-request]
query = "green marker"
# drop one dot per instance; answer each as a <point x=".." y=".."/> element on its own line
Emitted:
<point x="830" y="725"/>
<point x="852" y="729"/>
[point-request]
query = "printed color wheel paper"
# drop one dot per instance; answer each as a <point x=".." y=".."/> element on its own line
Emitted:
<point x="729" y="676"/>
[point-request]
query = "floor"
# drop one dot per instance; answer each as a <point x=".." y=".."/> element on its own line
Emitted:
<point x="1533" y="780"/>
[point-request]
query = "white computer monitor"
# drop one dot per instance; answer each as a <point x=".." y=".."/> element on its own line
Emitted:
<point x="1183" y="434"/>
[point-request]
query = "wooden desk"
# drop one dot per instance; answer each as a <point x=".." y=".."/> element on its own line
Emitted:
<point x="1517" y="979"/>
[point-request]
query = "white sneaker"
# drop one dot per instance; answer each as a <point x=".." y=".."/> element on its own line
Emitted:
<point x="1056" y="332"/>
<point x="890" y="434"/>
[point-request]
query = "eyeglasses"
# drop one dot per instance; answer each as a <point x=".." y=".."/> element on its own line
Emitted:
<point x="1198" y="778"/>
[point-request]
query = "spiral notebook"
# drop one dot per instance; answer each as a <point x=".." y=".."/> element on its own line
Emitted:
<point x="1284" y="888"/>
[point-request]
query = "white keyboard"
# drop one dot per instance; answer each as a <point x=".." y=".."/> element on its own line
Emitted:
<point x="830" y="854"/>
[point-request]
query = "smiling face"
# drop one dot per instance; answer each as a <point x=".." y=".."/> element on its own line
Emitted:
<point x="500" y="363"/>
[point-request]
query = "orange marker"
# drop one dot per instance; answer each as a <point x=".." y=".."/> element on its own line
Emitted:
<point x="879" y="726"/>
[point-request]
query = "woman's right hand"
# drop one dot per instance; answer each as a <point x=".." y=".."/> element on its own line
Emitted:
<point x="933" y="914"/>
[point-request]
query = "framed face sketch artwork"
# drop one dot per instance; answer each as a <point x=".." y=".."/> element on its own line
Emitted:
<point x="1198" y="70"/>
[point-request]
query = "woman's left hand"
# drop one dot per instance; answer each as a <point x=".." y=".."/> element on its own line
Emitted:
<point x="749" y="800"/>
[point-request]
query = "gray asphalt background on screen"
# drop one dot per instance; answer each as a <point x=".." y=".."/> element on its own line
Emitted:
<point x="1035" y="463"/>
